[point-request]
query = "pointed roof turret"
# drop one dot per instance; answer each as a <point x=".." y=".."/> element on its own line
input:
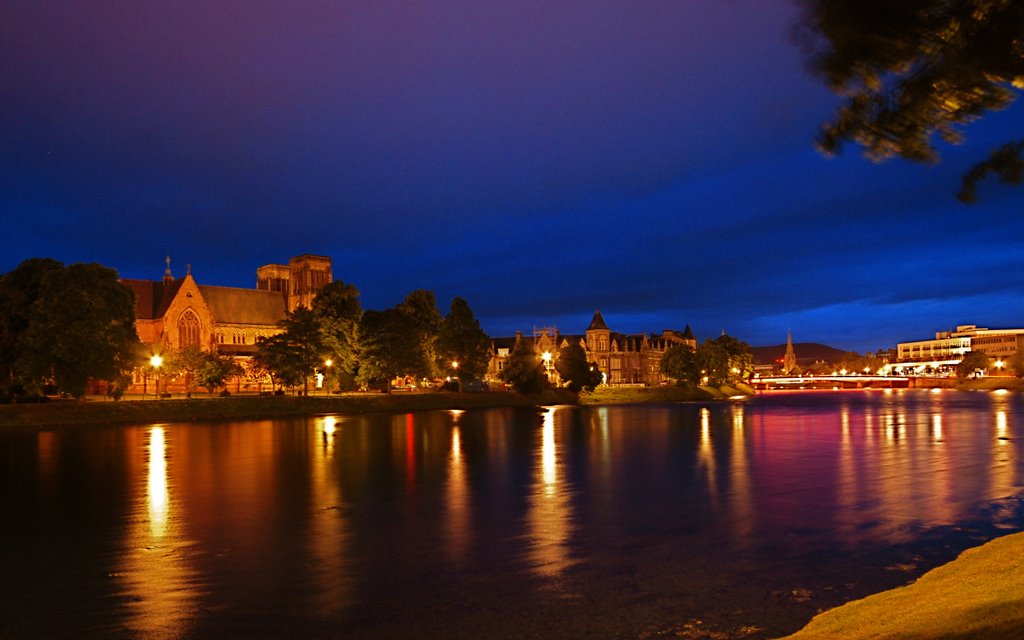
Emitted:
<point x="598" y="324"/>
<point x="168" y="278"/>
<point x="688" y="333"/>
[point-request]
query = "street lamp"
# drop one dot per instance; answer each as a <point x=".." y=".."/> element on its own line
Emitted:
<point x="156" y="361"/>
<point x="327" y="370"/>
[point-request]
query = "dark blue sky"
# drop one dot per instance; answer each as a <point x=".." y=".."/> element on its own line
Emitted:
<point x="652" y="159"/>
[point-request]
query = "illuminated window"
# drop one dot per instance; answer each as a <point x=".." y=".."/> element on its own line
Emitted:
<point x="188" y="329"/>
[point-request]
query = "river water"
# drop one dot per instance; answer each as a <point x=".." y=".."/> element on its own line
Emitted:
<point x="740" y="519"/>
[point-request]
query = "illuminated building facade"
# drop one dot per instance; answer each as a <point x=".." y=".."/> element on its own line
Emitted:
<point x="952" y="345"/>
<point x="175" y="313"/>
<point x="948" y="347"/>
<point x="625" y="359"/>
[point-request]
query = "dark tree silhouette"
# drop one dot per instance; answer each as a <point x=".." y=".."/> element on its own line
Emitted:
<point x="912" y="72"/>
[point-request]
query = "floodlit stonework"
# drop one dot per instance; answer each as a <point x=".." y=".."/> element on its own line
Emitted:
<point x="625" y="359"/>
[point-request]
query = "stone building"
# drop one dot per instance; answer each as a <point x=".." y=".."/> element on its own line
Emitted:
<point x="174" y="313"/>
<point x="625" y="359"/>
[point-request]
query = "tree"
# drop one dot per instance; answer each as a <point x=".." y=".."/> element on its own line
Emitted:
<point x="389" y="347"/>
<point x="19" y="289"/>
<point x="293" y="355"/>
<point x="202" y="368"/>
<point x="740" y="360"/>
<point x="425" y="320"/>
<point x="973" y="361"/>
<point x="81" y="327"/>
<point x="1016" y="362"/>
<point x="338" y="311"/>
<point x="523" y="370"/>
<point x="461" y="340"/>
<point x="713" y="361"/>
<point x="575" y="371"/>
<point x="680" y="362"/>
<point x="916" y="70"/>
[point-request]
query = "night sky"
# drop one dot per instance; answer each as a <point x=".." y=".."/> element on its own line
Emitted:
<point x="651" y="159"/>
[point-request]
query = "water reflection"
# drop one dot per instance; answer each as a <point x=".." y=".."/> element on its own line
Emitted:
<point x="458" y="524"/>
<point x="741" y="496"/>
<point x="157" y="580"/>
<point x="550" y="515"/>
<point x="416" y="524"/>
<point x="707" y="454"/>
<point x="157" y="483"/>
<point x="328" y="538"/>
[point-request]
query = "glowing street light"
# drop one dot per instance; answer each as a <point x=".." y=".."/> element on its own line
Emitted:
<point x="156" y="361"/>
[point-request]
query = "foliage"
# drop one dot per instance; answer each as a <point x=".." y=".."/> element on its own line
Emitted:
<point x="916" y="70"/>
<point x="680" y="362"/>
<point x="338" y="312"/>
<point x="293" y="355"/>
<point x="972" y="362"/>
<point x="1016" y="363"/>
<point x="725" y="359"/>
<point x="856" y="363"/>
<point x="202" y="368"/>
<point x="81" y="327"/>
<point x="19" y="289"/>
<point x="576" y="372"/>
<point x="461" y="340"/>
<point x="424" y="320"/>
<point x="524" y="370"/>
<point x="389" y="346"/>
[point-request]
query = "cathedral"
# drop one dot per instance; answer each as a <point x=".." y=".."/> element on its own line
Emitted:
<point x="175" y="313"/>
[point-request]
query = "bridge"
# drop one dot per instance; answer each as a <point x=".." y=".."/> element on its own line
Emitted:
<point x="835" y="382"/>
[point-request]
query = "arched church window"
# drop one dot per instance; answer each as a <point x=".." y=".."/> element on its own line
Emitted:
<point x="188" y="329"/>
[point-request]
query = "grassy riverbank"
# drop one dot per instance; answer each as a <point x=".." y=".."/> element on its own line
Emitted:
<point x="657" y="395"/>
<point x="202" y="407"/>
<point x="98" y="411"/>
<point x="977" y="596"/>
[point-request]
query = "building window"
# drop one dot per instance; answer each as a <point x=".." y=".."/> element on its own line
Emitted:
<point x="188" y="329"/>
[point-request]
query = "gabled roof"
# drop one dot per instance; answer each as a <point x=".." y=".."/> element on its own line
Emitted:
<point x="152" y="297"/>
<point x="230" y="305"/>
<point x="598" y="323"/>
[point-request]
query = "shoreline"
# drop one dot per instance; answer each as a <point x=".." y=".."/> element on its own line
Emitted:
<point x="203" y="407"/>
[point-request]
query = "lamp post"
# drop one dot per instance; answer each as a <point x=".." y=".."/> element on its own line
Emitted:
<point x="327" y="372"/>
<point x="155" y="361"/>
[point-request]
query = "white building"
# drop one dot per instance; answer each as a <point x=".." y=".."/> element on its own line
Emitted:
<point x="948" y="347"/>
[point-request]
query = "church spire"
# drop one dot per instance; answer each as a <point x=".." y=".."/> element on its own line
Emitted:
<point x="789" y="360"/>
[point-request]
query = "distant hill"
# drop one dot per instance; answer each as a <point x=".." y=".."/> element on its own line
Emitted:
<point x="806" y="353"/>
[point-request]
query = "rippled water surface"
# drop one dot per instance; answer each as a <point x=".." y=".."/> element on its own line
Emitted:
<point x="630" y="522"/>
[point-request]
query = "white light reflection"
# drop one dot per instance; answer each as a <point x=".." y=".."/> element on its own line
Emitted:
<point x="329" y="426"/>
<point x="329" y="528"/>
<point x="457" y="501"/>
<point x="1002" y="458"/>
<point x="549" y="519"/>
<point x="157" y="497"/>
<point x="157" y="583"/>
